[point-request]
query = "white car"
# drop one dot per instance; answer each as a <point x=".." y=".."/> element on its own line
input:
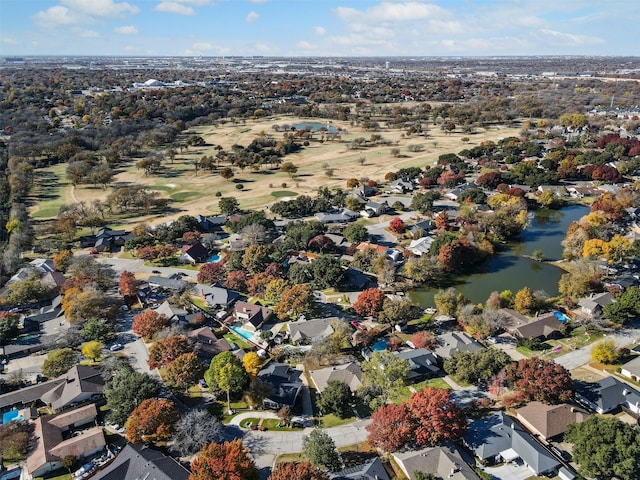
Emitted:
<point x="116" y="346"/>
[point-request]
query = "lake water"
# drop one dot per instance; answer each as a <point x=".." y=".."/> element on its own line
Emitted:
<point x="509" y="270"/>
<point x="314" y="126"/>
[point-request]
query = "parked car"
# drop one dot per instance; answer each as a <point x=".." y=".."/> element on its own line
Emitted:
<point x="116" y="346"/>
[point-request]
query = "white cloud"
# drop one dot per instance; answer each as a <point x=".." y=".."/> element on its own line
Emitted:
<point x="58" y="16"/>
<point x="198" y="3"/>
<point x="252" y="17"/>
<point x="319" y="30"/>
<point x="126" y="30"/>
<point x="200" y="48"/>
<point x="305" y="45"/>
<point x="175" y="7"/>
<point x="8" y="41"/>
<point x="391" y="12"/>
<point x="569" y="39"/>
<point x="263" y="48"/>
<point x="101" y="8"/>
<point x="85" y="33"/>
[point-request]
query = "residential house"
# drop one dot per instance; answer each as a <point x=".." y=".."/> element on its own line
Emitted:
<point x="53" y="280"/>
<point x="443" y="461"/>
<point x="422" y="364"/>
<point x="371" y="469"/>
<point x="342" y="216"/>
<point x="451" y="343"/>
<point x="206" y="344"/>
<point x="454" y="193"/>
<point x="53" y="439"/>
<point x="210" y="224"/>
<point x="421" y="246"/>
<point x="309" y="331"/>
<point x="173" y="283"/>
<point x="497" y="438"/>
<point x="521" y="326"/>
<point x="142" y="461"/>
<point x="401" y="185"/>
<point x="549" y="421"/>
<point x="215" y="296"/>
<point x="172" y="312"/>
<point x="631" y="369"/>
<point x="592" y="305"/>
<point x="349" y="373"/>
<point x="196" y="253"/>
<point x="108" y="240"/>
<point x="608" y="395"/>
<point x="29" y="395"/>
<point x="358" y="279"/>
<point x="285" y="383"/>
<point x="374" y="209"/>
<point x="251" y="315"/>
<point x="81" y="384"/>
<point x="421" y="227"/>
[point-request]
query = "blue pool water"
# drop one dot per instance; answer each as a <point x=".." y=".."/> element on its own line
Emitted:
<point x="10" y="416"/>
<point x="214" y="258"/>
<point x="242" y="332"/>
<point x="379" y="346"/>
<point x="561" y="316"/>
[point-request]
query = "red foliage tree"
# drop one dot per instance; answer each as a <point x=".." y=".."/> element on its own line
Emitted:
<point x="490" y="180"/>
<point x="147" y="253"/>
<point x="321" y="243"/>
<point x="257" y="284"/>
<point x="437" y="419"/>
<point x="152" y="420"/>
<point x="224" y="461"/>
<point x="166" y="350"/>
<point x="369" y="302"/>
<point x="541" y="380"/>
<point x="424" y="339"/>
<point x="184" y="371"/>
<point x="396" y="225"/>
<point x="191" y="237"/>
<point x="148" y="323"/>
<point x="298" y="471"/>
<point x="607" y="174"/>
<point x="391" y="427"/>
<point x="610" y="206"/>
<point x="128" y="284"/>
<point x="211" y="272"/>
<point x="236" y="280"/>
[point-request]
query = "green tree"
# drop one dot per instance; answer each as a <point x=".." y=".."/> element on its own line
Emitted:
<point x="448" y="301"/>
<point x="383" y="377"/>
<point x="327" y="272"/>
<point x="228" y="205"/>
<point x="605" y="448"/>
<point x="289" y="168"/>
<point x="356" y="233"/>
<point x="59" y="362"/>
<point x="336" y="398"/>
<point x="8" y="326"/>
<point x="225" y="373"/>
<point x="98" y="330"/>
<point x="319" y="448"/>
<point x="477" y="366"/>
<point x="126" y="390"/>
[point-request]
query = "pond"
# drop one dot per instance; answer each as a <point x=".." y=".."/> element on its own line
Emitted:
<point x="314" y="127"/>
<point x="509" y="269"/>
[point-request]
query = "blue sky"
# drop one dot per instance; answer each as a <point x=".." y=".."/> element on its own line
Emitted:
<point x="319" y="27"/>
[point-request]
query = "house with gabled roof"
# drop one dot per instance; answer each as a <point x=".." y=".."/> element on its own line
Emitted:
<point x="252" y="315"/>
<point x="499" y="438"/>
<point x="309" y="331"/>
<point x="422" y="364"/>
<point x="172" y="312"/>
<point x="206" y="344"/>
<point x="442" y="461"/>
<point x="371" y="469"/>
<point x="631" y="369"/>
<point x="285" y="384"/>
<point x="81" y="384"/>
<point x="593" y="304"/>
<point x="549" y="421"/>
<point x="349" y="373"/>
<point x="137" y="461"/>
<point x="451" y="343"/>
<point x="196" y="253"/>
<point x="172" y="282"/>
<point x="609" y="394"/>
<point x="521" y="326"/>
<point x="216" y="296"/>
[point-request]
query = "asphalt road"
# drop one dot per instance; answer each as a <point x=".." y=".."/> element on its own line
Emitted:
<point x="135" y="265"/>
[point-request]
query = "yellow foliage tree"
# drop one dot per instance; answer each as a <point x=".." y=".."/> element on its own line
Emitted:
<point x="92" y="350"/>
<point x="605" y="352"/>
<point x="595" y="248"/>
<point x="251" y="363"/>
<point x="618" y="248"/>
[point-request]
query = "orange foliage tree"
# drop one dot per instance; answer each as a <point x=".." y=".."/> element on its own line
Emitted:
<point x="184" y="371"/>
<point x="152" y="420"/>
<point x="166" y="350"/>
<point x="437" y="419"/>
<point x="148" y="323"/>
<point x="369" y="302"/>
<point x="228" y="461"/>
<point x="62" y="260"/>
<point x="297" y="470"/>
<point x="424" y="339"/>
<point x="540" y="380"/>
<point x="391" y="427"/>
<point x="128" y="284"/>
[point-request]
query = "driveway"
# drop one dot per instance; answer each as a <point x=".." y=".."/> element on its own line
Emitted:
<point x="510" y="471"/>
<point x="381" y="236"/>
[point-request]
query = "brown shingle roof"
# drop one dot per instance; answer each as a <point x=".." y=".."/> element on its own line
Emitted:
<point x="549" y="420"/>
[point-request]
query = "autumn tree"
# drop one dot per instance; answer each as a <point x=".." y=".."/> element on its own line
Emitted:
<point x="62" y="260"/>
<point x="540" y="380"/>
<point x="15" y="439"/>
<point x="165" y="350"/>
<point x="128" y="284"/>
<point x="448" y="301"/>
<point x="424" y="339"/>
<point x="391" y="427"/>
<point x="153" y="420"/>
<point x="295" y="301"/>
<point x="194" y="430"/>
<point x="211" y="272"/>
<point x="81" y="304"/>
<point x="59" y="362"/>
<point x="92" y="350"/>
<point x="369" y="302"/>
<point x="252" y="363"/>
<point x="227" y="460"/>
<point x="148" y="323"/>
<point x="437" y="419"/>
<point x="226" y="373"/>
<point x="320" y="449"/>
<point x="236" y="280"/>
<point x="605" y="352"/>
<point x="396" y="225"/>
<point x="297" y="470"/>
<point x="183" y="372"/>
<point x="525" y="301"/>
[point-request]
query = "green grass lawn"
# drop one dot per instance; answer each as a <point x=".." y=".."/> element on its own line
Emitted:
<point x="60" y="474"/>
<point x="283" y="193"/>
<point x="432" y="382"/>
<point x="184" y="196"/>
<point x="273" y="424"/>
<point x="289" y="457"/>
<point x="248" y="422"/>
<point x="238" y="340"/>
<point x="578" y="338"/>
<point x="331" y="420"/>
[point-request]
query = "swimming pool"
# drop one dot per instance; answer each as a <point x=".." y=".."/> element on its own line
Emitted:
<point x="379" y="346"/>
<point x="214" y="258"/>
<point x="11" y="416"/>
<point x="561" y="316"/>
<point x="246" y="334"/>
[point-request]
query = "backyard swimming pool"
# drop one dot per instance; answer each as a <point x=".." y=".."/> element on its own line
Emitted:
<point x="246" y="334"/>
<point x="561" y="316"/>
<point x="214" y="258"/>
<point x="10" y="416"/>
<point x="379" y="346"/>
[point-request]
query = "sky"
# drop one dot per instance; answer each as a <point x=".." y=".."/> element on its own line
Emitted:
<point x="340" y="28"/>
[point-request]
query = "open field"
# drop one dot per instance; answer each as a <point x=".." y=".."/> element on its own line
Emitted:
<point x="193" y="193"/>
